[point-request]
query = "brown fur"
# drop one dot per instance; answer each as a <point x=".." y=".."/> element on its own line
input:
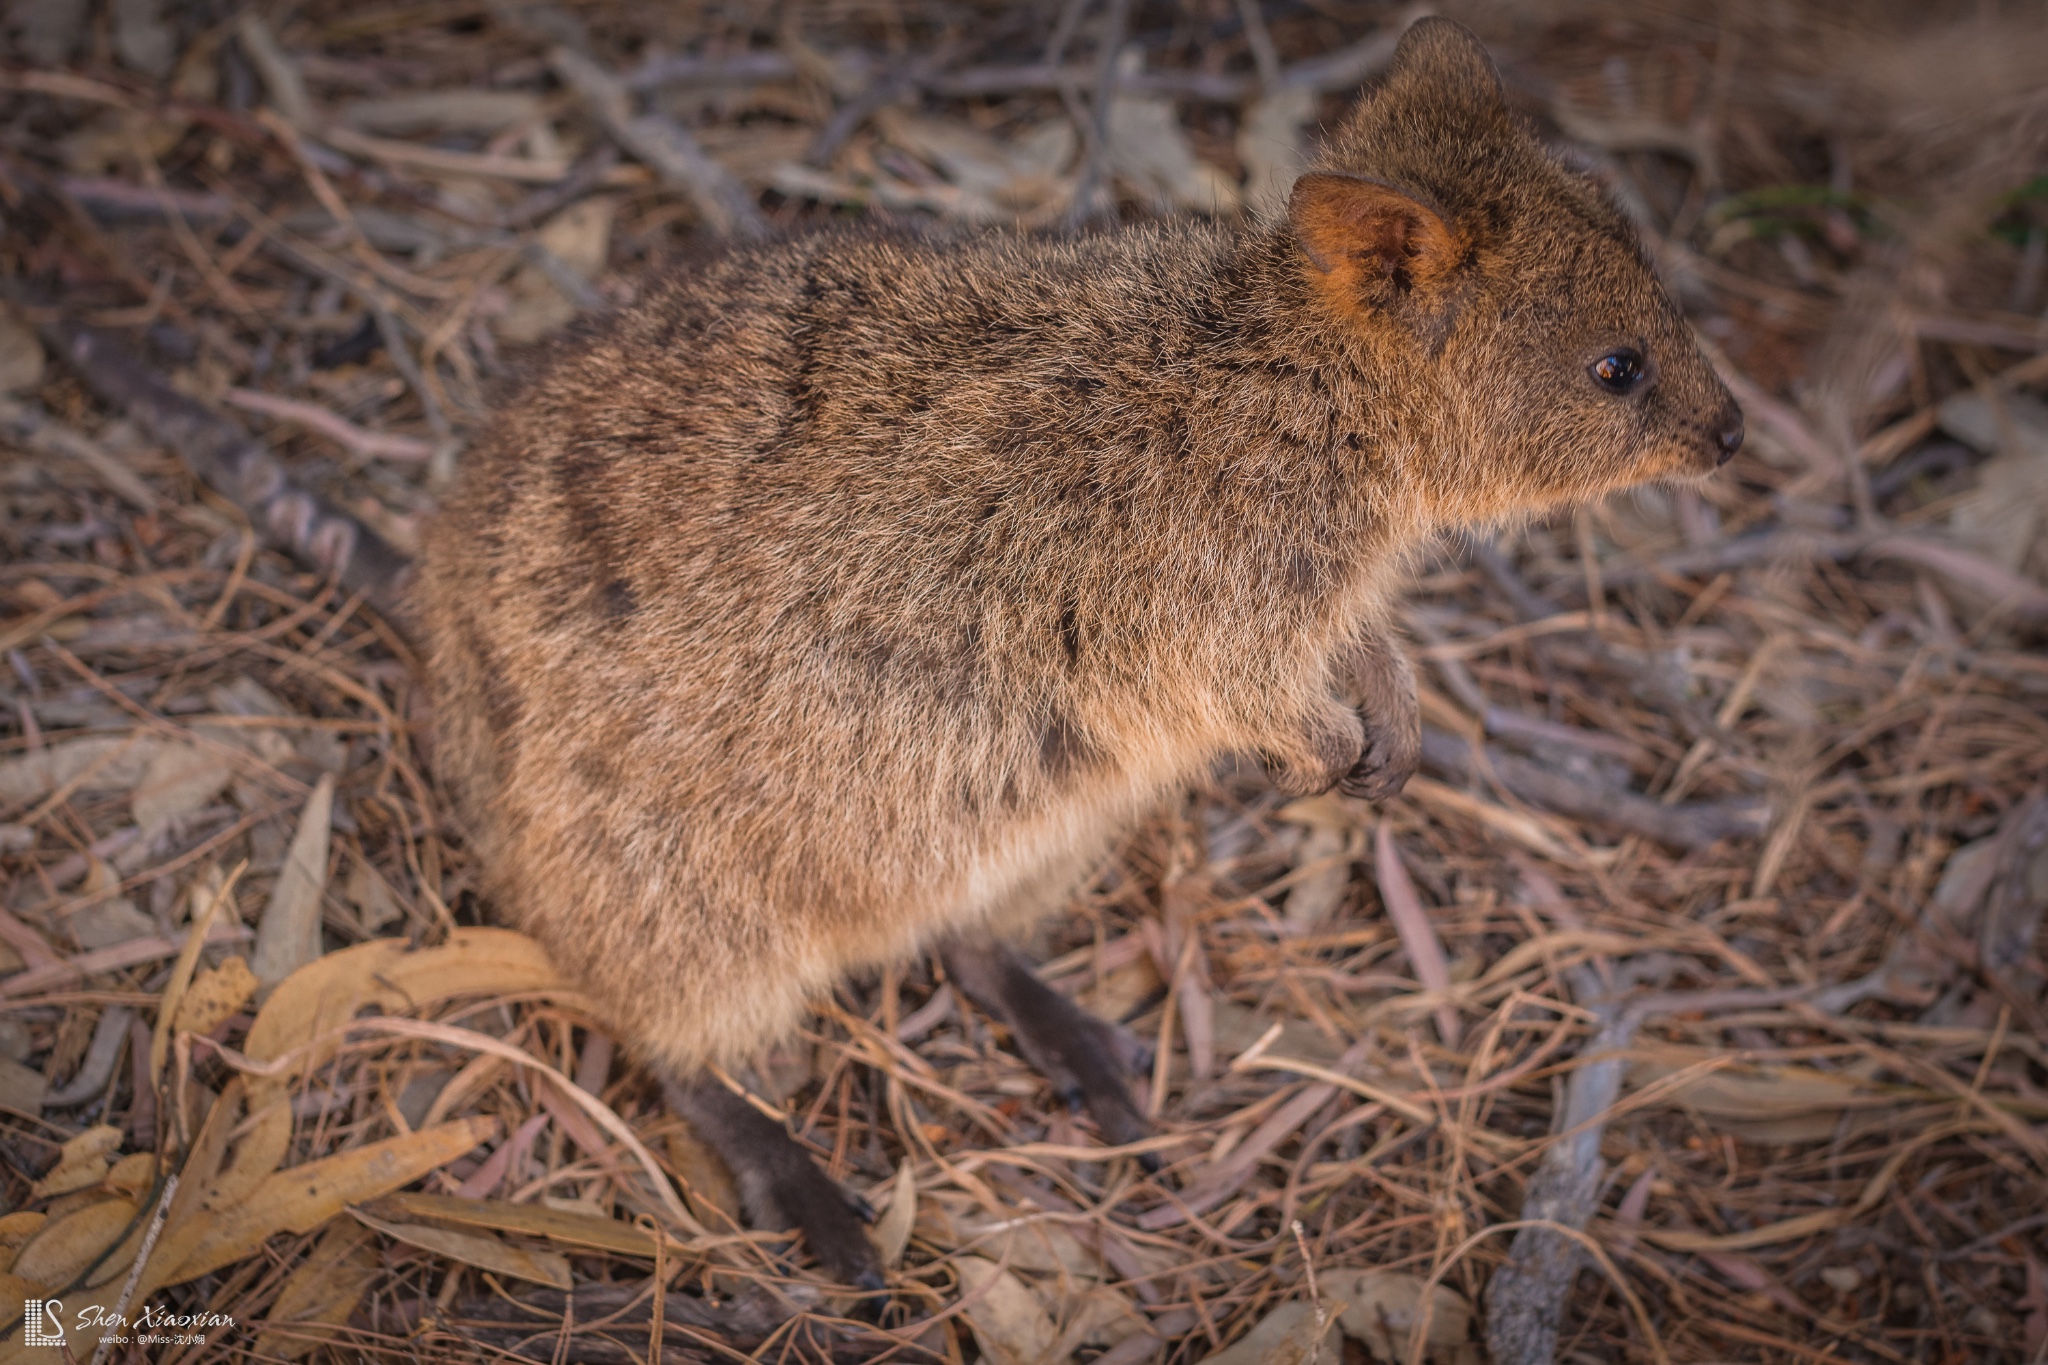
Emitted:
<point x="853" y="591"/>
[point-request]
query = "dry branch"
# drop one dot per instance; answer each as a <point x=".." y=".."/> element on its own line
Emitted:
<point x="1689" y="825"/>
<point x="665" y="145"/>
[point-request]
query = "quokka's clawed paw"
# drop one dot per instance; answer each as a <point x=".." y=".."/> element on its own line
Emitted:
<point x="1390" y="759"/>
<point x="1333" y="747"/>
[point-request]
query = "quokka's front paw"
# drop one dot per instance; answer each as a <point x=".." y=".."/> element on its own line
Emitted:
<point x="1393" y="750"/>
<point x="1333" y="747"/>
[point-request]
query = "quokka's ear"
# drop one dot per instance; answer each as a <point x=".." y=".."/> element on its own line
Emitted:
<point x="1370" y="241"/>
<point x="1441" y="62"/>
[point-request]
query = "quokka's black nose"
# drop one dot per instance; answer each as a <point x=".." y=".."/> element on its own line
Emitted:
<point x="1729" y="434"/>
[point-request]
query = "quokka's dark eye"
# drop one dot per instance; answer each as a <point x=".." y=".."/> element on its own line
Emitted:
<point x="1620" y="371"/>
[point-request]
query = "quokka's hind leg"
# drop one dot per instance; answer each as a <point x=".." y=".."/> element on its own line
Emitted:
<point x="1087" y="1059"/>
<point x="781" y="1187"/>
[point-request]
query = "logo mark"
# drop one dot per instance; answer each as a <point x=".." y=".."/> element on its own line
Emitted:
<point x="42" y="1327"/>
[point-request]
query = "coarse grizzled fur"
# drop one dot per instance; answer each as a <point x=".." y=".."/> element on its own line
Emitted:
<point x="855" y="590"/>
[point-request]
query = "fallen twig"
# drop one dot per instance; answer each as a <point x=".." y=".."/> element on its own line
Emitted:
<point x="336" y="428"/>
<point x="1691" y="825"/>
<point x="28" y="423"/>
<point x="98" y="1067"/>
<point x="1526" y="1297"/>
<point x="727" y="206"/>
<point x="1411" y="921"/>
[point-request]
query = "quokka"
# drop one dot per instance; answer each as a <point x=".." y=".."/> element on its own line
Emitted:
<point x="846" y="597"/>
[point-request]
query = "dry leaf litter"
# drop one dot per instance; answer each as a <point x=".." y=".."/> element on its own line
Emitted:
<point x="1688" y="1007"/>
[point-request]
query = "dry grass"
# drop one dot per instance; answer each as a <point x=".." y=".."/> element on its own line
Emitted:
<point x="1733" y="843"/>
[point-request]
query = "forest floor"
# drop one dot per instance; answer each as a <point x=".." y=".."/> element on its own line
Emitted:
<point x="1690" y="1004"/>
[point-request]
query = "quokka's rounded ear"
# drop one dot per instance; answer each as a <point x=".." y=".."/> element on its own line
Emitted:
<point x="1441" y="61"/>
<point x="1367" y="238"/>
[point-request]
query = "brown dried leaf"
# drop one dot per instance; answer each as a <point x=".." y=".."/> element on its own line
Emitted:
<point x="1411" y="922"/>
<point x="82" y="1162"/>
<point x="1035" y="1245"/>
<point x="996" y="179"/>
<point x="1240" y="1027"/>
<point x="181" y="777"/>
<point x="244" y="696"/>
<point x="1383" y="1309"/>
<point x="301" y="1198"/>
<point x="1322" y="870"/>
<point x="214" y="995"/>
<point x="207" y="1231"/>
<point x="1008" y="1321"/>
<point x="16" y="1229"/>
<point x="115" y="762"/>
<point x="15" y="1292"/>
<point x="1150" y="152"/>
<point x="108" y="922"/>
<point x="132" y="1175"/>
<point x="483" y="1252"/>
<point x="1099" y="1317"/>
<point x="2002" y="517"/>
<point x="21" y="1088"/>
<point x="322" y="1292"/>
<point x="580" y="236"/>
<point x="440" y="111"/>
<point x="1759" y="1091"/>
<point x="55" y="1256"/>
<point x="304" y="1021"/>
<point x="288" y="935"/>
<point x="893" y="1228"/>
<point x="21" y="354"/>
<point x="704" y="1176"/>
<point x="1272" y="144"/>
<point x="366" y="890"/>
<point x="1120" y="990"/>
<point x="572" y="1227"/>
<point x="1289" y="1335"/>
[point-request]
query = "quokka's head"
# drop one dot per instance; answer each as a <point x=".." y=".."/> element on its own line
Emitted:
<point x="1551" y="363"/>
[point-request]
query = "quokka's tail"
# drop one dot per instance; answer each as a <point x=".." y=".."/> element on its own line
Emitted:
<point x="235" y="465"/>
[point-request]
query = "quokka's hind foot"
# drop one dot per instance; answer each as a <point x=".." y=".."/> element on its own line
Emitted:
<point x="1088" y="1060"/>
<point x="780" y="1185"/>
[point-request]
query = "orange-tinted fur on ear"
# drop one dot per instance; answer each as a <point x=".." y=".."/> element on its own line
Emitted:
<point x="1366" y="241"/>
